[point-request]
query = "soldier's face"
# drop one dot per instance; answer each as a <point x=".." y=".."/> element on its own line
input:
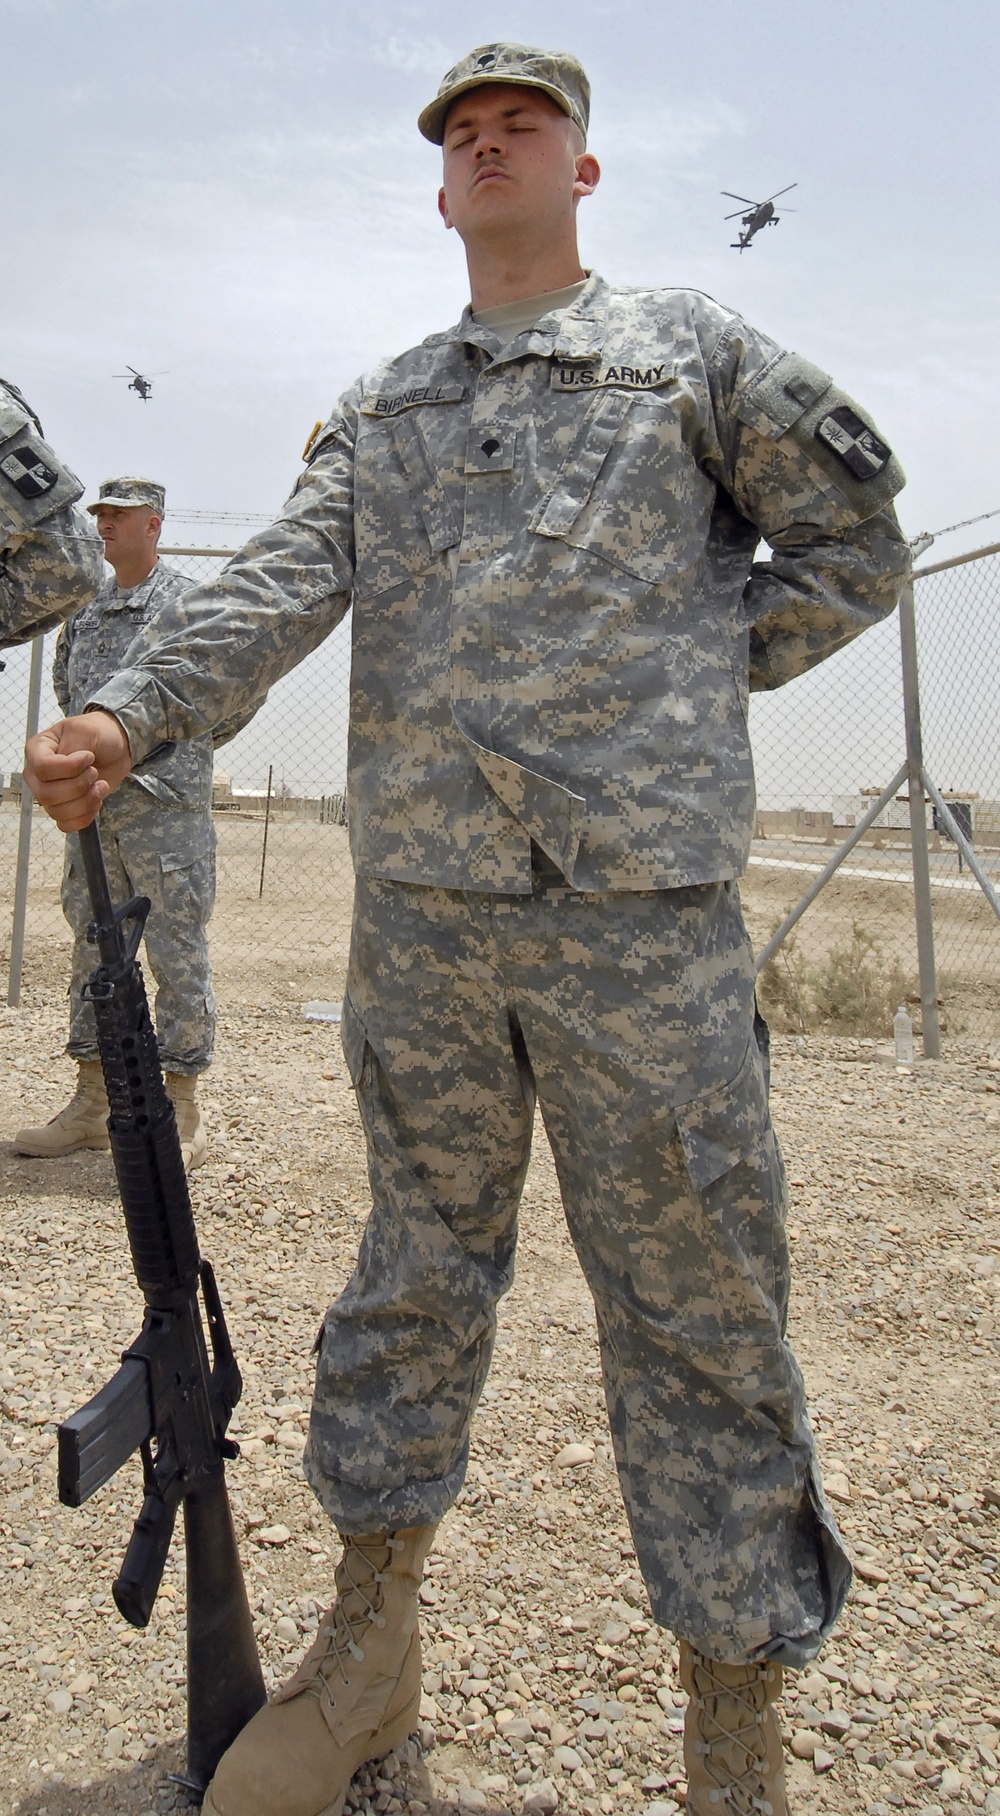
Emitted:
<point x="128" y="531"/>
<point x="511" y="155"/>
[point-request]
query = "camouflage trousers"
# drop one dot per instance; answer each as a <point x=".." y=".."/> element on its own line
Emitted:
<point x="168" y="854"/>
<point x="629" y="1017"/>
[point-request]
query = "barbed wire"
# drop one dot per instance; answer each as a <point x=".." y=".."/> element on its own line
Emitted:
<point x="926" y="537"/>
<point x="221" y="516"/>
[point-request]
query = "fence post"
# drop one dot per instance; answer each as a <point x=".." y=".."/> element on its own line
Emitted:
<point x="24" y="835"/>
<point x="267" y="822"/>
<point x="918" y="826"/>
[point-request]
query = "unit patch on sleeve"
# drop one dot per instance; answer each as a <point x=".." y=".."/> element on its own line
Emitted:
<point x="861" y="451"/>
<point x="27" y="473"/>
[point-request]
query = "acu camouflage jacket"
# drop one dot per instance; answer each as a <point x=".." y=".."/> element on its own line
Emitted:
<point x="550" y="547"/>
<point x="99" y="641"/>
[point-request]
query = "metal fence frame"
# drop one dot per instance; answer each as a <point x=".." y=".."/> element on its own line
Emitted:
<point x="912" y="774"/>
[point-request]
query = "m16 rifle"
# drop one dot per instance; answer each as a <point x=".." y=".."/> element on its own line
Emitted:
<point x="169" y="1400"/>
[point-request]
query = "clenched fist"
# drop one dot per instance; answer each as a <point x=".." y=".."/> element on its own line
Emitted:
<point x="72" y="767"/>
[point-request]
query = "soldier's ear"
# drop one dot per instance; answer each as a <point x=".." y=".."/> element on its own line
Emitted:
<point x="443" y="209"/>
<point x="588" y="175"/>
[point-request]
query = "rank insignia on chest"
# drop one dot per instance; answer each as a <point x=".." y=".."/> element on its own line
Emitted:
<point x="853" y="442"/>
<point x="27" y="474"/>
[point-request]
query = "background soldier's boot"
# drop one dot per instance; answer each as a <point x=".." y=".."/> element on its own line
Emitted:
<point x="82" y="1123"/>
<point x="732" y="1741"/>
<point x="355" y="1696"/>
<point x="182" y="1090"/>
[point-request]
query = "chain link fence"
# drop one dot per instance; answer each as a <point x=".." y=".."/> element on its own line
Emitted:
<point x="825" y="746"/>
<point x="285" y="885"/>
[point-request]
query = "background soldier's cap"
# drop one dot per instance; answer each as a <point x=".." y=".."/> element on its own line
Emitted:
<point x="130" y="492"/>
<point x="555" y="72"/>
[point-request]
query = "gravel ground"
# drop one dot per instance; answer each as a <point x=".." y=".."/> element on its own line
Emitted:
<point x="546" y="1685"/>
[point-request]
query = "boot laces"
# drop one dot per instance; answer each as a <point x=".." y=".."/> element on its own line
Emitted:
<point x="358" y="1606"/>
<point x="741" y="1787"/>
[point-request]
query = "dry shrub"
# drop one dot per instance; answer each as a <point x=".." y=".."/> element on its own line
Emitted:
<point x="856" y="989"/>
<point x="783" y="989"/>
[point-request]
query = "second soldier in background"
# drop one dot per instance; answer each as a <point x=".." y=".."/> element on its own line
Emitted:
<point x="157" y="835"/>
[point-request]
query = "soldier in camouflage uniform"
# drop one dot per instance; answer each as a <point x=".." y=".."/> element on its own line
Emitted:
<point x="50" y="558"/>
<point x="157" y="835"/>
<point x="546" y="518"/>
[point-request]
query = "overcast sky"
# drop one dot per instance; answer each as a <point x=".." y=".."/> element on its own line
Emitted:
<point x="234" y="192"/>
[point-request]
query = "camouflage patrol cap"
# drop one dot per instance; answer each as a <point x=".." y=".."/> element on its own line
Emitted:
<point x="131" y="491"/>
<point x="555" y="72"/>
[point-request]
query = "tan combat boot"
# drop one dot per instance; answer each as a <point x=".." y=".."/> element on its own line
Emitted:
<point x="82" y="1123"/>
<point x="732" y="1742"/>
<point x="355" y="1696"/>
<point x="182" y="1090"/>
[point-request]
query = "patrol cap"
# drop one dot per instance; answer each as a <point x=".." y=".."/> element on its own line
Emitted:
<point x="555" y="72"/>
<point x="130" y="491"/>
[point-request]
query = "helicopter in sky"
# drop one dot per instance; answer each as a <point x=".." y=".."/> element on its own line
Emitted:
<point x="761" y="215"/>
<point x="140" y="382"/>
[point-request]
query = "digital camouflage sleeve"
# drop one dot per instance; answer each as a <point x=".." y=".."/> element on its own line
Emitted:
<point x="51" y="557"/>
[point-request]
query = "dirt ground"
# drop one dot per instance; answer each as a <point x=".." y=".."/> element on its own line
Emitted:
<point x="541" y="1663"/>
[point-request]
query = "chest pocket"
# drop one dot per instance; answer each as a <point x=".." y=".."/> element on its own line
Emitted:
<point x="630" y="490"/>
<point x="403" y="520"/>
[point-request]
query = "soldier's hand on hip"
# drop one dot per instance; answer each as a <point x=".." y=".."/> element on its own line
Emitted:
<point x="74" y="765"/>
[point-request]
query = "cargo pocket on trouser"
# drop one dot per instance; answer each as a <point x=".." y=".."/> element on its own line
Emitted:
<point x="734" y="1164"/>
<point x="176" y="939"/>
<point x="354" y="1043"/>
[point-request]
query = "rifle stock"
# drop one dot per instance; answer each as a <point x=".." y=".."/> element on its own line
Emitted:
<point x="169" y="1400"/>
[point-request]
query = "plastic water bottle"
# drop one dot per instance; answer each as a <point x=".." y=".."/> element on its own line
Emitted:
<point x="902" y="1029"/>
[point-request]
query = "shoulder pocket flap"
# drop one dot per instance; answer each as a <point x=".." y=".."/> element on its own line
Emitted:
<point x="200" y="847"/>
<point x="776" y="398"/>
<point x="353" y="1039"/>
<point x="726" y="1125"/>
<point x="574" y="481"/>
<point x="425" y="486"/>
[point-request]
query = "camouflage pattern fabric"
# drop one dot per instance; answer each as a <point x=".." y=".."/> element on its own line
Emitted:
<point x="156" y="830"/>
<point x="51" y="557"/>
<point x="557" y="614"/>
<point x="169" y="855"/>
<point x="98" y="642"/>
<point x="631" y="1018"/>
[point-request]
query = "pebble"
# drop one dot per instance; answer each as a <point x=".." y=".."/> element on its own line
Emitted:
<point x="541" y="1799"/>
<point x="572" y="1455"/>
<point x="273" y="1535"/>
<point x="518" y="1727"/>
<point x="838" y="1488"/>
<point x="822" y="1760"/>
<point x="568" y="1758"/>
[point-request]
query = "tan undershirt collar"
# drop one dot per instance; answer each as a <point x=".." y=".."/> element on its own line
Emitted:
<point x="508" y="320"/>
